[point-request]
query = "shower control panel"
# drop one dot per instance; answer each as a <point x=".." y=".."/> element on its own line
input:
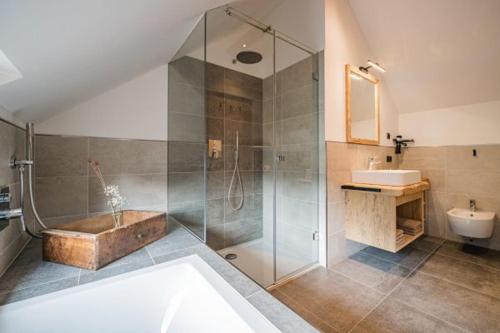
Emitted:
<point x="214" y="149"/>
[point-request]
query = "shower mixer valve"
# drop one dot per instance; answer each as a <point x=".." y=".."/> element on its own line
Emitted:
<point x="214" y="149"/>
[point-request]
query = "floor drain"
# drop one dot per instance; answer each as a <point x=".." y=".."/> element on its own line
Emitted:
<point x="231" y="256"/>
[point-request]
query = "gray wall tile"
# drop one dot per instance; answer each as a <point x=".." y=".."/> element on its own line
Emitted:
<point x="138" y="167"/>
<point x="12" y="140"/>
<point x="185" y="187"/>
<point x="184" y="127"/>
<point x="61" y="196"/>
<point x="186" y="70"/>
<point x="60" y="156"/>
<point x="12" y="239"/>
<point x="138" y="191"/>
<point x="117" y="157"/>
<point x="185" y="156"/>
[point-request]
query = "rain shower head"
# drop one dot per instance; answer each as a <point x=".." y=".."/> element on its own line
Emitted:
<point x="249" y="57"/>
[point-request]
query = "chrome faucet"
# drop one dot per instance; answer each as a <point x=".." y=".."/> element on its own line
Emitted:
<point x="372" y="163"/>
<point x="472" y="205"/>
<point x="8" y="214"/>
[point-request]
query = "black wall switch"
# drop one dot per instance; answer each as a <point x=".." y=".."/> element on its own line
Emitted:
<point x="388" y="159"/>
<point x="474" y="152"/>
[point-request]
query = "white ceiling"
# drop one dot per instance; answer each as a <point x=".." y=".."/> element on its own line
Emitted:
<point x="226" y="35"/>
<point x="70" y="51"/>
<point x="438" y="53"/>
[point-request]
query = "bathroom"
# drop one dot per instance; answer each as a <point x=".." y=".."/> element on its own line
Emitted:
<point x="284" y="165"/>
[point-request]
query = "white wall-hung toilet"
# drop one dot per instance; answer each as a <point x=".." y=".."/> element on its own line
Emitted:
<point x="473" y="224"/>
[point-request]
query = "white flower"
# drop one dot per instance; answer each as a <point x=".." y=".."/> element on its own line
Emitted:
<point x="115" y="200"/>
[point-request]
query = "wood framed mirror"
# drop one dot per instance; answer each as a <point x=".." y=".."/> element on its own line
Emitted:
<point x="362" y="107"/>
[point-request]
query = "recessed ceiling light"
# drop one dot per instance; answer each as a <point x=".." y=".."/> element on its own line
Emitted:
<point x="244" y="45"/>
<point x="8" y="72"/>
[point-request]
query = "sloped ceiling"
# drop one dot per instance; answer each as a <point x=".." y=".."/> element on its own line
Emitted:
<point x="70" y="51"/>
<point x="226" y="35"/>
<point x="438" y="53"/>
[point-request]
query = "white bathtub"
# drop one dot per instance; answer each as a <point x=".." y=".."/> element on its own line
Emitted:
<point x="184" y="295"/>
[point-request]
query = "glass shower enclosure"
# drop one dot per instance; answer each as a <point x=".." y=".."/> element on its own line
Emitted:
<point x="243" y="144"/>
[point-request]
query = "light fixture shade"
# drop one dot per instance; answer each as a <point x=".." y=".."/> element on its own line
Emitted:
<point x="376" y="66"/>
<point x="354" y="76"/>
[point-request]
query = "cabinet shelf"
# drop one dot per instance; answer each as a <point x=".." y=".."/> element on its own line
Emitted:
<point x="371" y="217"/>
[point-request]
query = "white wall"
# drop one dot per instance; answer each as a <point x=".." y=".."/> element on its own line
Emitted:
<point x="136" y="109"/>
<point x="346" y="44"/>
<point x="460" y="125"/>
<point x="10" y="117"/>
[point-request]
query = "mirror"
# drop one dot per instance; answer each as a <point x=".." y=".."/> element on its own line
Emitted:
<point x="362" y="107"/>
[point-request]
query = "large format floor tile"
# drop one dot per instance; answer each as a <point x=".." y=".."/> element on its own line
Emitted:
<point x="303" y="312"/>
<point x="394" y="316"/>
<point x="372" y="271"/>
<point x="489" y="258"/>
<point x="430" y="286"/>
<point x="336" y="300"/>
<point x="409" y="257"/>
<point x="481" y="278"/>
<point x="456" y="304"/>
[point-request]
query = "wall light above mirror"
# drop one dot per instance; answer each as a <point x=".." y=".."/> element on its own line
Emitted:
<point x="362" y="107"/>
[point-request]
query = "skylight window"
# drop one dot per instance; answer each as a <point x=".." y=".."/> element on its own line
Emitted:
<point x="8" y="72"/>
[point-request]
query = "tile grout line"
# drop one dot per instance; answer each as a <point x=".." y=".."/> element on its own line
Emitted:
<point x="433" y="316"/>
<point x="305" y="309"/>
<point x="397" y="286"/>
<point x="389" y="261"/>
<point x="459" y="285"/>
<point x="469" y="261"/>
<point x="399" y="264"/>
<point x="150" y="256"/>
<point x="36" y="285"/>
<point x="255" y="293"/>
<point x="357" y="282"/>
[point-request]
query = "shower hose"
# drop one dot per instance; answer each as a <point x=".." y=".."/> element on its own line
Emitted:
<point x="236" y="175"/>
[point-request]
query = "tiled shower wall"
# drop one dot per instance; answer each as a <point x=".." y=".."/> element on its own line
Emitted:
<point x="341" y="159"/>
<point x="456" y="177"/>
<point x="67" y="189"/>
<point x="12" y="239"/>
<point x="295" y="127"/>
<point x="232" y="102"/>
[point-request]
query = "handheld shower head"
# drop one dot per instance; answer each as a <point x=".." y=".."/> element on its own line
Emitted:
<point x="30" y="134"/>
<point x="237" y="140"/>
<point x="236" y="178"/>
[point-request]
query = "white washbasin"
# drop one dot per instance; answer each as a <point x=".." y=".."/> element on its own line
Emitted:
<point x="478" y="224"/>
<point x="185" y="295"/>
<point x="386" y="177"/>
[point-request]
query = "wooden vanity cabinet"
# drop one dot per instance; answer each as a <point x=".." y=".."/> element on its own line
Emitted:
<point x="372" y="212"/>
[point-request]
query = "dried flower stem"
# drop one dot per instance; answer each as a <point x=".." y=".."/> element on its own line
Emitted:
<point x="111" y="192"/>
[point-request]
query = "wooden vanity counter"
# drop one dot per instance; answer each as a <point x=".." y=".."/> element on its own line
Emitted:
<point x="372" y="212"/>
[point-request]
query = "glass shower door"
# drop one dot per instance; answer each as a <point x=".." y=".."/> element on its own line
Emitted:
<point x="243" y="144"/>
<point x="296" y="159"/>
